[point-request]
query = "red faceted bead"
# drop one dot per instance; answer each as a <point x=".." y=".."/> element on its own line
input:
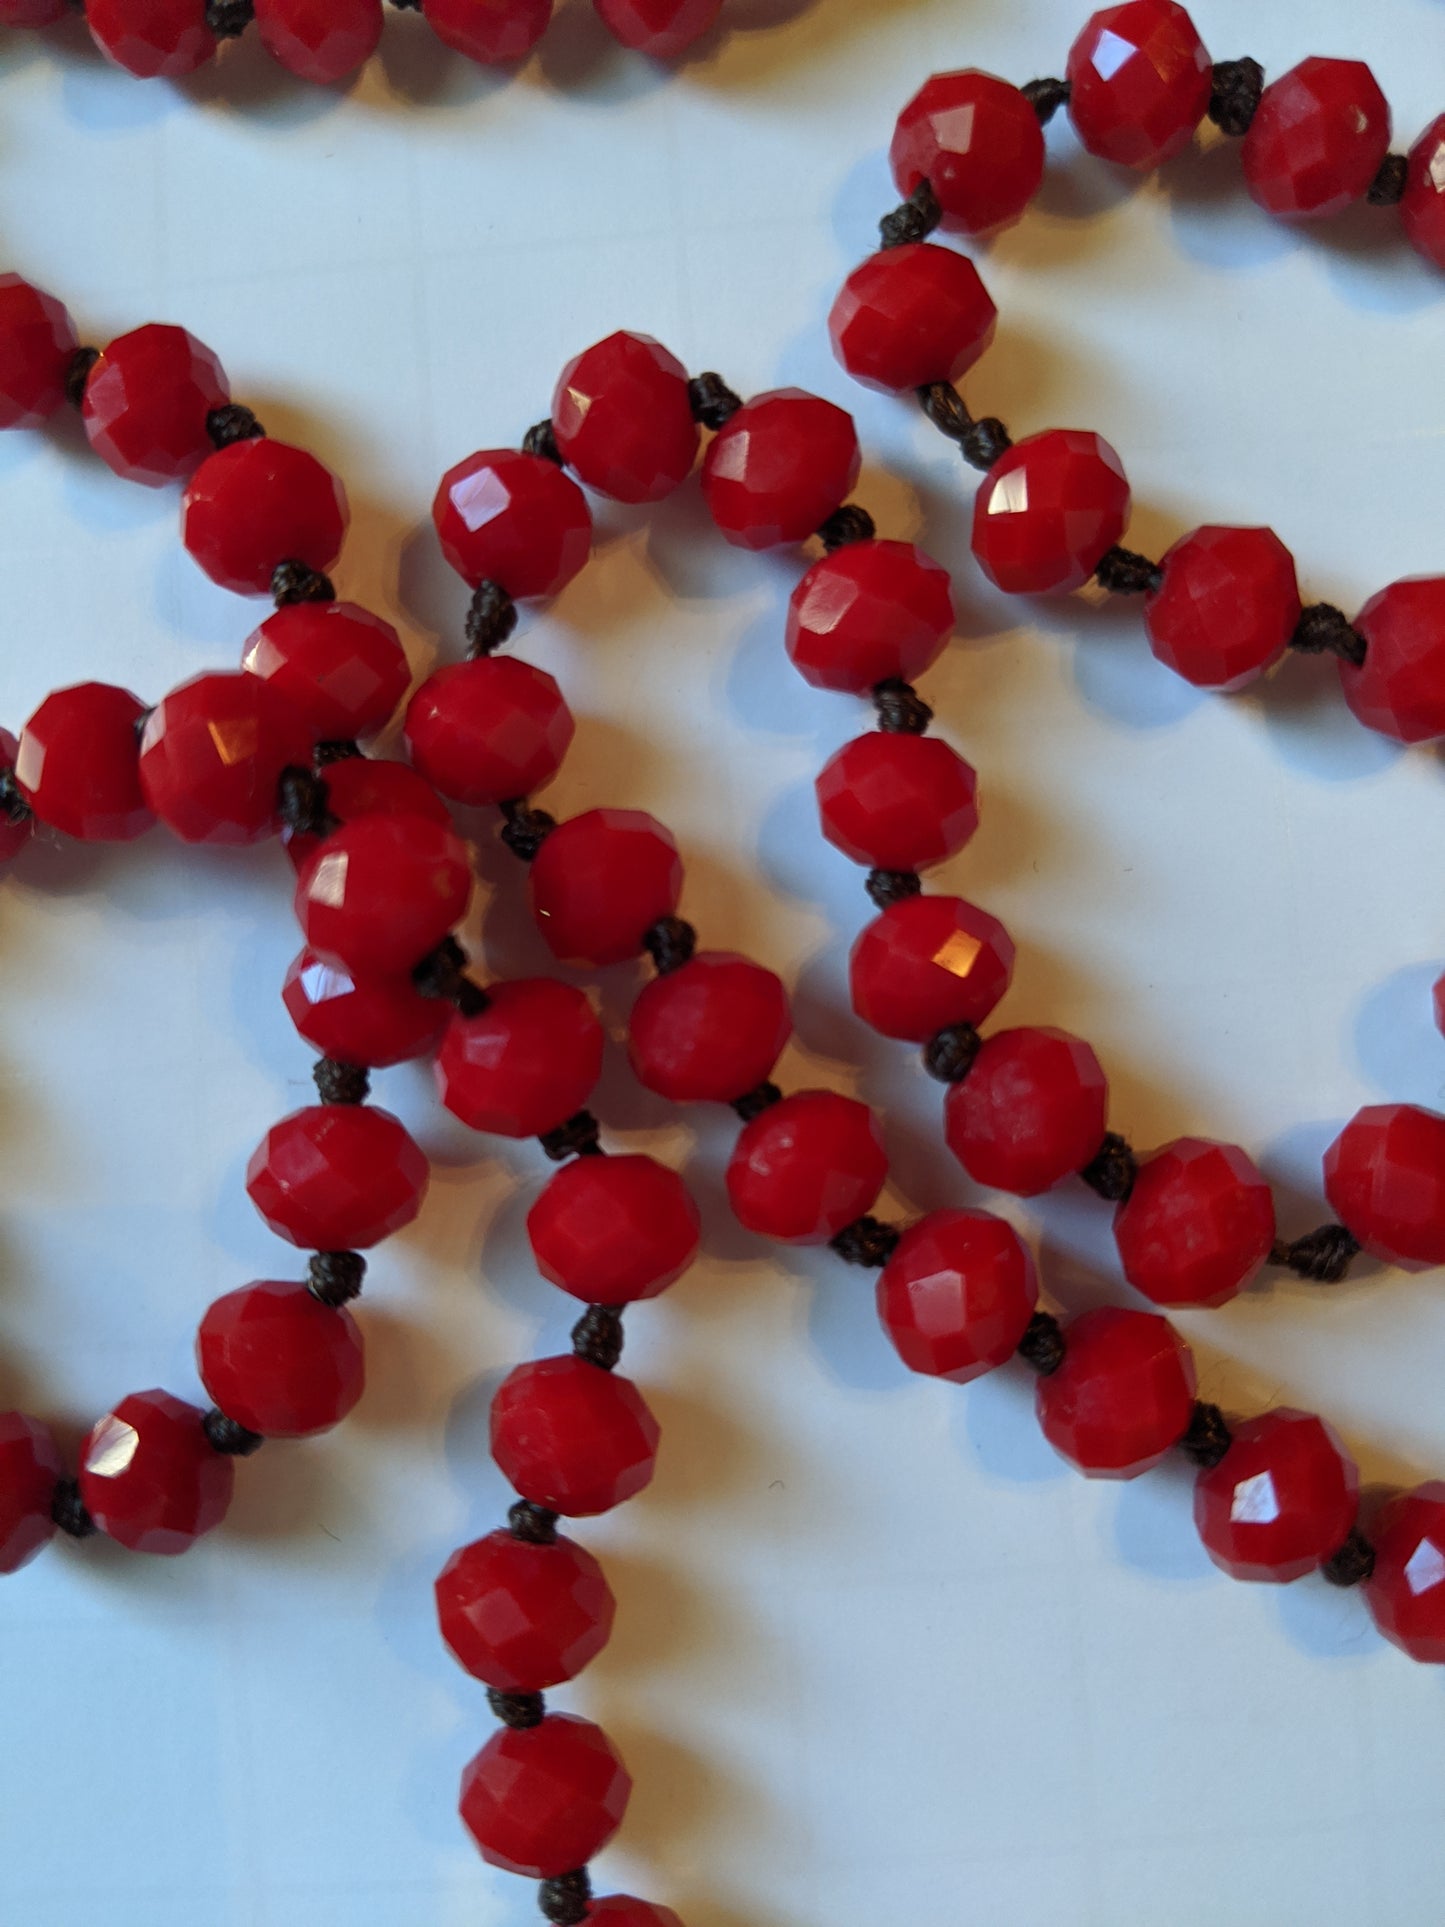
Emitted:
<point x="13" y="836"/>
<point x="1226" y="607"/>
<point x="572" y="1437"/>
<point x="1048" y="510"/>
<point x="279" y="1362"/>
<point x="612" y="1230"/>
<point x="256" y="504"/>
<point x="1400" y="687"/>
<point x="779" y="468"/>
<point x="368" y="786"/>
<point x="1197" y="1225"/>
<point x="37" y="343"/>
<point x="337" y="1177"/>
<point x="212" y="754"/>
<point x="542" y="1800"/>
<point x="1422" y="209"/>
<point x="146" y="402"/>
<point x="488" y="730"/>
<point x="910" y="316"/>
<point x="78" y="764"/>
<point x="807" y="1167"/>
<point x="1123" y="1395"/>
<point x="1317" y="139"/>
<point x="526" y="1063"/>
<point x="897" y="802"/>
<point x="622" y="1910"/>
<point x="494" y="32"/>
<point x="1030" y="1113"/>
<point x="30" y="1469"/>
<point x="928" y="963"/>
<point x="1385" y="1180"/>
<point x="871" y="612"/>
<point x="957" y="1294"/>
<point x="32" y="13"/>
<point x="1139" y="82"/>
<point x="623" y="420"/>
<point x="1406" y="1591"/>
<point x="664" y="29"/>
<point x="152" y="38"/>
<point x="372" y="1021"/>
<point x="149" y="1477"/>
<point x="320" y="40"/>
<point x="1281" y="1501"/>
<point x="340" y="665"/>
<point x="523" y="1617"/>
<point x="977" y="141"/>
<point x="382" y="891"/>
<point x="709" y="1032"/>
<point x="599" y="883"/>
<point x="513" y="519"/>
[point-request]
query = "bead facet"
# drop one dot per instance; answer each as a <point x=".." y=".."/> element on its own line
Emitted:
<point x="911" y="316"/>
<point x="1123" y="1395"/>
<point x="957" y="1294"/>
<point x="526" y="1064"/>
<point x="279" y="1362"/>
<point x="497" y="33"/>
<point x="977" y="142"/>
<point x="211" y="757"/>
<point x="146" y="402"/>
<point x="1282" y="1499"/>
<point x="1406" y="1591"/>
<point x="371" y="1021"/>
<point x="1317" y="139"/>
<point x="897" y="802"/>
<point x="382" y="891"/>
<point x="1139" y="82"/>
<point x="807" y="1167"/>
<point x="78" y="764"/>
<point x="523" y="1617"/>
<point x="1399" y="689"/>
<point x="1197" y="1225"/>
<point x="514" y="519"/>
<point x="337" y="1177"/>
<point x="1422" y="210"/>
<point x="573" y="1437"/>
<point x="152" y="38"/>
<point x="1385" y="1180"/>
<point x="148" y="1475"/>
<point x="928" y="963"/>
<point x="610" y="1230"/>
<point x="664" y="29"/>
<point x="340" y="665"/>
<point x="622" y="417"/>
<point x="1048" y="510"/>
<point x="1226" y="608"/>
<point x="599" y="883"/>
<point x="322" y="41"/>
<point x="37" y="342"/>
<point x="1030" y="1113"/>
<point x="871" y="612"/>
<point x="488" y="730"/>
<point x="779" y="468"/>
<point x="30" y="1468"/>
<point x="256" y="504"/>
<point x="709" y="1032"/>
<point x="543" y="1800"/>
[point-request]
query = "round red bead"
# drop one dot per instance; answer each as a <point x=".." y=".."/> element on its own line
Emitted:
<point x="146" y="403"/>
<point x="488" y="730"/>
<point x="1281" y="1501"/>
<point x="807" y="1167"/>
<point x="622" y="1910"/>
<point x="779" y="468"/>
<point x="709" y="1032"/>
<point x="513" y="519"/>
<point x="1048" y="510"/>
<point x="152" y="38"/>
<point x="13" y="835"/>
<point x="279" y="1362"/>
<point x="1197" y="1225"/>
<point x="1226" y="607"/>
<point x="623" y="420"/>
<point x="30" y="1469"/>
<point x="542" y="1800"/>
<point x="957" y="1294"/>
<point x="526" y="1063"/>
<point x="871" y="612"/>
<point x="359" y="786"/>
<point x="1422" y="209"/>
<point x="1400" y="687"/>
<point x="911" y="316"/>
<point x="1406" y="1591"/>
<point x="78" y="764"/>
<point x="612" y="1230"/>
<point x="340" y="665"/>
<point x="212" y="754"/>
<point x="149" y="1477"/>
<point x="320" y="40"/>
<point x="599" y="883"/>
<point x="977" y="141"/>
<point x="1317" y="139"/>
<point x="382" y="891"/>
<point x="256" y="504"/>
<point x="1139" y="82"/>
<point x="523" y="1617"/>
<point x="573" y="1437"/>
<point x="896" y="801"/>
<point x="1123" y="1395"/>
<point x="37" y="343"/>
<point x="373" y="1021"/>
<point x="337" y="1177"/>
<point x="1030" y="1113"/>
<point x="1385" y="1180"/>
<point x="494" y="32"/>
<point x="664" y="29"/>
<point x="928" y="963"/>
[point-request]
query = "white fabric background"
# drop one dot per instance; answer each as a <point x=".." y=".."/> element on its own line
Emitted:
<point x="878" y="1653"/>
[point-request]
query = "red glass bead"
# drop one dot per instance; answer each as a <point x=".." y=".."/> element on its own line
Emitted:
<point x="1030" y="1113"/>
<point x="622" y="1910"/>
<point x="572" y="1437"/>
<point x="709" y="1032"/>
<point x="1139" y="82"/>
<point x="897" y="802"/>
<point x="368" y="786"/>
<point x="152" y="38"/>
<point x="910" y="316"/>
<point x="382" y="892"/>
<point x="488" y="730"/>
<point x="664" y="29"/>
<point x="541" y="1800"/>
<point x="78" y="764"/>
<point x="279" y="1362"/>
<point x="149" y="1477"/>
<point x="146" y="402"/>
<point x="514" y="519"/>
<point x="523" y="1617"/>
<point x="612" y="1230"/>
<point x="1422" y="209"/>
<point x="779" y="468"/>
<point x="257" y="504"/>
<point x="928" y="963"/>
<point x="1282" y="1499"/>
<point x="13" y="835"/>
<point x="340" y="665"/>
<point x="30" y="1468"/>
<point x="211" y="757"/>
<point x="871" y="612"/>
<point x="599" y="883"/>
<point x="1123" y="1395"/>
<point x="957" y="1294"/>
<point x="32" y="13"/>
<point x="337" y="1177"/>
<point x="1197" y="1225"/>
<point x="37" y="342"/>
<point x="807" y="1167"/>
<point x="526" y="1064"/>
<point x="1317" y="139"/>
<point x="320" y="40"/>
<point x="978" y="142"/>
<point x="1048" y="510"/>
<point x="1385" y="1180"/>
<point x="373" y="1021"/>
<point x="1406" y="1591"/>
<point x="1226" y="608"/>
<point x="623" y="420"/>
<point x="494" y="32"/>
<point x="1400" y="687"/>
